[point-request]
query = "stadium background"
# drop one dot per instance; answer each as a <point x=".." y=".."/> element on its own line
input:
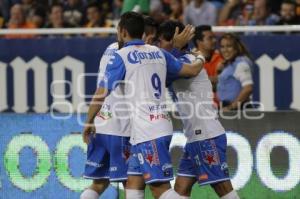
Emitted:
<point x="42" y="153"/>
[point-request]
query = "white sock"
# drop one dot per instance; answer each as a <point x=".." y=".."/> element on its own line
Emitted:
<point x="170" y="194"/>
<point x="134" y="194"/>
<point x="231" y="195"/>
<point x="89" y="194"/>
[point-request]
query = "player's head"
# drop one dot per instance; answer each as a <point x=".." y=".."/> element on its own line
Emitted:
<point x="166" y="33"/>
<point x="131" y="26"/>
<point x="204" y="39"/>
<point x="151" y="27"/>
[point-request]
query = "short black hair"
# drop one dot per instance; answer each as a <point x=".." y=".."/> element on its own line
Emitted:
<point x="167" y="29"/>
<point x="134" y="24"/>
<point x="94" y="4"/>
<point x="150" y="25"/>
<point x="199" y="33"/>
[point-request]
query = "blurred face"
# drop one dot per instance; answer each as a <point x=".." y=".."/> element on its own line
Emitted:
<point x="176" y="6"/>
<point x="208" y="43"/>
<point x="164" y="44"/>
<point x="72" y="2"/>
<point x="38" y="21"/>
<point x="260" y="10"/>
<point x="287" y="11"/>
<point x="56" y="15"/>
<point x="227" y="49"/>
<point x="93" y="14"/>
<point x="16" y="15"/>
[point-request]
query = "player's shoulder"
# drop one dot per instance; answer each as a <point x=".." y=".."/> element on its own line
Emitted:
<point x="114" y="45"/>
<point x="187" y="58"/>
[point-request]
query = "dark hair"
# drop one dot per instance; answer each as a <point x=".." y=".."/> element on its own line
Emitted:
<point x="150" y="25"/>
<point x="199" y="33"/>
<point x="237" y="43"/>
<point x="56" y="4"/>
<point x="94" y="4"/>
<point x="289" y="2"/>
<point x="167" y="29"/>
<point x="134" y="24"/>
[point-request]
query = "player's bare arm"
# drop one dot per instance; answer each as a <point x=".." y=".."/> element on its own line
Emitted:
<point x="94" y="108"/>
<point x="192" y="70"/>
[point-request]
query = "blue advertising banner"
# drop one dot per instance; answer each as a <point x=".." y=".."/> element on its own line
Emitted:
<point x="40" y="75"/>
<point x="42" y="156"/>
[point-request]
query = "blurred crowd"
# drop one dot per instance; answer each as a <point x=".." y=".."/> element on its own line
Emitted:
<point x="105" y="13"/>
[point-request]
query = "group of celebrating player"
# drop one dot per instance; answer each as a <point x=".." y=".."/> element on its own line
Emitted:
<point x="128" y="128"/>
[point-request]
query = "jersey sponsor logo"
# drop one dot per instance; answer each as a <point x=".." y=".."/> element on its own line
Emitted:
<point x="154" y="117"/>
<point x="157" y="107"/>
<point x="104" y="115"/>
<point x="137" y="56"/>
<point x="105" y="112"/>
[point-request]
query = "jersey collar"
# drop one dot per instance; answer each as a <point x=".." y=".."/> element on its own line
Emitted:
<point x="134" y="42"/>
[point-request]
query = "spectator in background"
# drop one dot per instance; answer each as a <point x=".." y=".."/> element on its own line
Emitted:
<point x="205" y="41"/>
<point x="118" y="4"/>
<point x="141" y="6"/>
<point x="1" y="20"/>
<point x="230" y="12"/>
<point x="176" y="10"/>
<point x="73" y="12"/>
<point x="298" y="8"/>
<point x="262" y="14"/>
<point x="28" y="6"/>
<point x="288" y="13"/>
<point x="236" y="12"/>
<point x="235" y="82"/>
<point x="200" y="12"/>
<point x="18" y="20"/>
<point x="96" y="18"/>
<point x="39" y="16"/>
<point x="56" y="17"/>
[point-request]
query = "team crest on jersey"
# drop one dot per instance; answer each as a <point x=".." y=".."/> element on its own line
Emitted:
<point x="105" y="115"/>
<point x="137" y="56"/>
<point x="209" y="153"/>
<point x="150" y="153"/>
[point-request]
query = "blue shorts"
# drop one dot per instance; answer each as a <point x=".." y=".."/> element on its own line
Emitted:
<point x="152" y="159"/>
<point x="205" y="160"/>
<point x="107" y="157"/>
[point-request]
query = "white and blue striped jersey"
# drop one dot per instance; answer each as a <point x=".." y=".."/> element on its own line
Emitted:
<point x="110" y="120"/>
<point x="144" y="68"/>
<point x="194" y="102"/>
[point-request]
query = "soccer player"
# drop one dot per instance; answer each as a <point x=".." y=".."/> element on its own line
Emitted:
<point x="111" y="126"/>
<point x="146" y="67"/>
<point x="204" y="158"/>
<point x="109" y="149"/>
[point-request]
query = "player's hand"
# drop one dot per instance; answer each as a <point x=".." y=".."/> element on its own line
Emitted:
<point x="89" y="129"/>
<point x="180" y="40"/>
